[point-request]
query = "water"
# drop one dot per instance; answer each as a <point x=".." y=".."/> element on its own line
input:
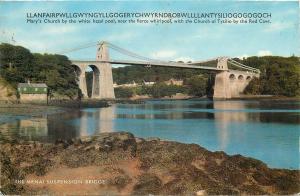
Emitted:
<point x="266" y="130"/>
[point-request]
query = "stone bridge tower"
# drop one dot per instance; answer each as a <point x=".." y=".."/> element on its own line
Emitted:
<point x="102" y="87"/>
<point x="230" y="83"/>
<point x="106" y="89"/>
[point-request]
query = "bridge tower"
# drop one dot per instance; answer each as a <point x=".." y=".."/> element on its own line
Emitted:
<point x="221" y="87"/>
<point x="104" y="80"/>
<point x="230" y="83"/>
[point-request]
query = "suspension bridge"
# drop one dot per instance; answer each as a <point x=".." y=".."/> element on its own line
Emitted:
<point x="231" y="77"/>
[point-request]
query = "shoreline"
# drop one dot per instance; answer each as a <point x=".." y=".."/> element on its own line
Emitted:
<point x="139" y="166"/>
<point x="251" y="97"/>
<point x="12" y="111"/>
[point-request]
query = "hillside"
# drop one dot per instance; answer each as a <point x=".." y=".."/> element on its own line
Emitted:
<point x="7" y="92"/>
<point x="18" y="65"/>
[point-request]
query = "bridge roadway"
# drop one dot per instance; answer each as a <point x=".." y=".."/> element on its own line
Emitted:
<point x="154" y="63"/>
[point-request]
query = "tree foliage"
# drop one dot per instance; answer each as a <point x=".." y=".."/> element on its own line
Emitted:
<point x="124" y="92"/>
<point x="18" y="64"/>
<point x="163" y="90"/>
<point x="158" y="90"/>
<point x="198" y="85"/>
<point x="279" y="76"/>
<point x="139" y="74"/>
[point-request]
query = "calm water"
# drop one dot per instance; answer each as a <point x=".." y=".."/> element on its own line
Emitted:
<point x="266" y="130"/>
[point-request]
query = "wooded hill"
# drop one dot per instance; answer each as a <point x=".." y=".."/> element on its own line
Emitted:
<point x="18" y="64"/>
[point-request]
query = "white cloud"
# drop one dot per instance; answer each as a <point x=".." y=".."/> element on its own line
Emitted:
<point x="184" y="59"/>
<point x="164" y="54"/>
<point x="243" y="56"/>
<point x="264" y="53"/>
<point x="278" y="26"/>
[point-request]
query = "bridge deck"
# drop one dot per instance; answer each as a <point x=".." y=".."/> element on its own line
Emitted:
<point x="144" y="63"/>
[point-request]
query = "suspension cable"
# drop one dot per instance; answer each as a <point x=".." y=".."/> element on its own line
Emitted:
<point x="88" y="45"/>
<point x="134" y="55"/>
<point x="240" y="65"/>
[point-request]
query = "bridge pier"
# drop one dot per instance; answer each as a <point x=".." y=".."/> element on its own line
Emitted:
<point x="82" y="84"/>
<point x="221" y="87"/>
<point x="231" y="84"/>
<point x="102" y="87"/>
<point x="105" y="78"/>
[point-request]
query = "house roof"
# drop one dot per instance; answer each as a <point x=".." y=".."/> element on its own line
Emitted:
<point x="34" y="85"/>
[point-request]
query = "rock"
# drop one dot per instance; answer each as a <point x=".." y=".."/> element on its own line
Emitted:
<point x="97" y="146"/>
<point x="147" y="184"/>
<point x="120" y="181"/>
<point x="119" y="141"/>
<point x="152" y="139"/>
<point x="86" y="139"/>
<point x="201" y="192"/>
<point x="139" y="140"/>
<point x="88" y="148"/>
<point x="148" y="166"/>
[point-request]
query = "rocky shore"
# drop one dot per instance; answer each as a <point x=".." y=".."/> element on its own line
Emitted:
<point x="120" y="164"/>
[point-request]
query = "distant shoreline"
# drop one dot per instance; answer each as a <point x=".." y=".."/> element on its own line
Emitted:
<point x="243" y="97"/>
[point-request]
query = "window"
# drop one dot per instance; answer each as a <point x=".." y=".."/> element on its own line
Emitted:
<point x="45" y="89"/>
<point x="36" y="89"/>
<point x="24" y="88"/>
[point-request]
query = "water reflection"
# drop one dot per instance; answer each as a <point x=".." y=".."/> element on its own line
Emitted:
<point x="29" y="129"/>
<point x="224" y="119"/>
<point x="104" y="119"/>
<point x="262" y="129"/>
<point x="81" y="123"/>
<point x="49" y="128"/>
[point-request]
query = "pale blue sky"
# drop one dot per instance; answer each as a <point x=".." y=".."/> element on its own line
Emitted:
<point x="167" y="42"/>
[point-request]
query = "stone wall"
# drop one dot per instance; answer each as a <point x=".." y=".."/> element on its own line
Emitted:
<point x="33" y="98"/>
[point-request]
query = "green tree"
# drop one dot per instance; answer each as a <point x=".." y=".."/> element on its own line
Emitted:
<point x="279" y="76"/>
<point x="15" y="63"/>
<point x="122" y="92"/>
<point x="198" y="85"/>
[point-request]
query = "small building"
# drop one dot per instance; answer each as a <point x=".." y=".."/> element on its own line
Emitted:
<point x="148" y="83"/>
<point x="173" y="81"/>
<point x="32" y="92"/>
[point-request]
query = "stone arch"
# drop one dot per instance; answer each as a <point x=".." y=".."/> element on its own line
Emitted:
<point x="77" y="70"/>
<point x="96" y="81"/>
<point x="232" y="77"/>
<point x="241" y="77"/>
<point x="248" y="78"/>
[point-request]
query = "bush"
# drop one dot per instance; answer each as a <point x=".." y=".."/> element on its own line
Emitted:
<point x="122" y="92"/>
<point x="198" y="85"/>
<point x="254" y="87"/>
<point x="162" y="90"/>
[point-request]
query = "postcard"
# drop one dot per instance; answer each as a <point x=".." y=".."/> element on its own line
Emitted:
<point x="149" y="97"/>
